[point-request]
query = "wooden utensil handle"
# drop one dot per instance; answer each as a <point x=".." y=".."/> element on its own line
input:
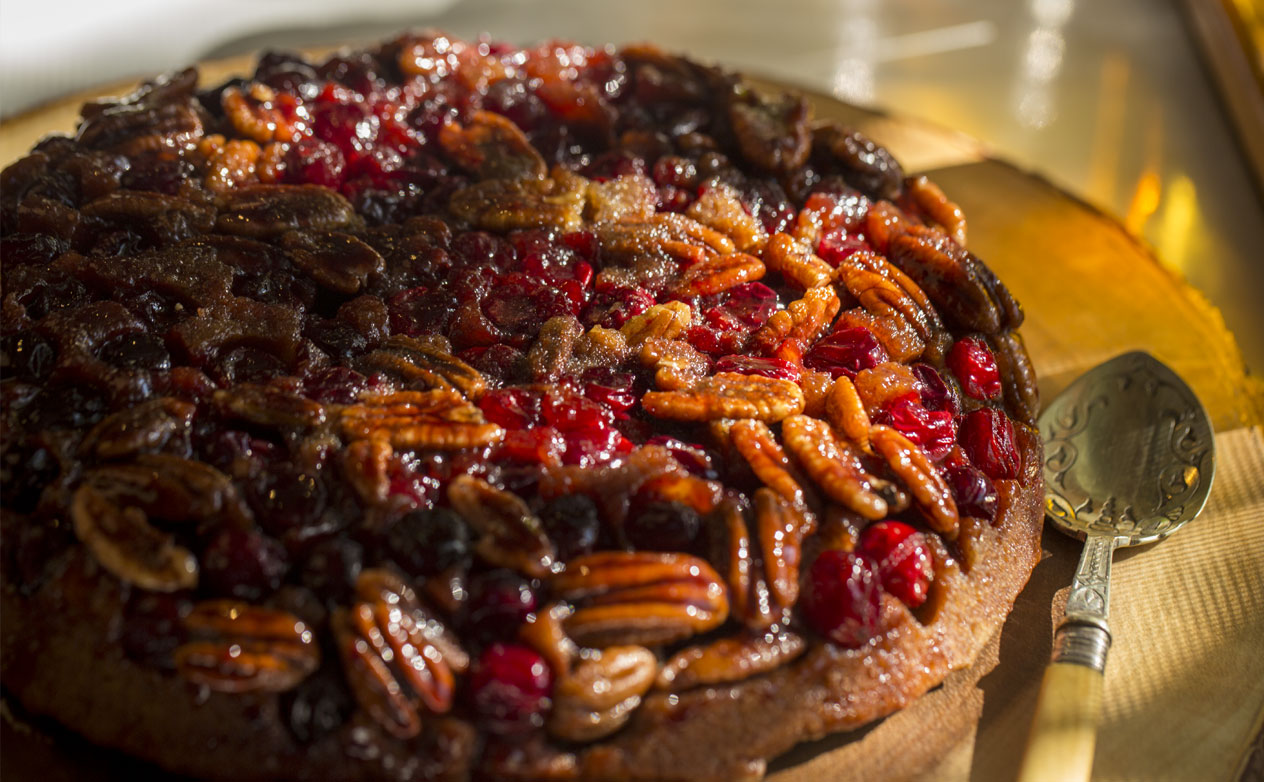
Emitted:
<point x="1064" y="731"/>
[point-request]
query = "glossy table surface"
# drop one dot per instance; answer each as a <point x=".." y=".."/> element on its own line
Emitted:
<point x="1108" y="100"/>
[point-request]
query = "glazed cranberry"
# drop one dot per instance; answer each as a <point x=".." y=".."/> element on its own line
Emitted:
<point x="987" y="436"/>
<point x="612" y="306"/>
<point x="138" y="350"/>
<point x="745" y="308"/>
<point x="972" y="362"/>
<point x="846" y="352"/>
<point x="245" y="564"/>
<point x="512" y="408"/>
<point x="902" y="557"/>
<point x="936" y="395"/>
<point x="615" y="390"/>
<point x="318" y="706"/>
<point x="501" y="364"/>
<point x="349" y="126"/>
<point x="336" y="385"/>
<point x="843" y="598"/>
<point x="664" y="526"/>
<point x="26" y="356"/>
<point x="153" y="626"/>
<point x="428" y="542"/>
<point x="837" y="246"/>
<point x="287" y="499"/>
<point x="934" y="431"/>
<point x="499" y="603"/>
<point x="509" y="689"/>
<point x="974" y="492"/>
<point x="572" y="523"/>
<point x="520" y="305"/>
<point x="513" y="99"/>
<point x="776" y="368"/>
<point x="314" y="161"/>
<point x="536" y="445"/>
<point x="331" y="568"/>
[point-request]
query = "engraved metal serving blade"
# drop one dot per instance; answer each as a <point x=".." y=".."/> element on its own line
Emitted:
<point x="1129" y="459"/>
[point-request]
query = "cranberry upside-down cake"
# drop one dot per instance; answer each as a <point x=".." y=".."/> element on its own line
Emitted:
<point x="452" y="410"/>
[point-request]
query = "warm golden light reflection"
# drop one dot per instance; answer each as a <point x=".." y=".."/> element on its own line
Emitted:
<point x="1145" y="199"/>
<point x="1108" y="132"/>
<point x="857" y="50"/>
<point x="1034" y="103"/>
<point x="1180" y="211"/>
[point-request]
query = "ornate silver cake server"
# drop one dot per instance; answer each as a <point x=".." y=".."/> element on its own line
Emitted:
<point x="1129" y="459"/>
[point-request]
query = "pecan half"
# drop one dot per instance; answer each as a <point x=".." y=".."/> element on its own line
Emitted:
<point x="172" y="488"/>
<point x="147" y="427"/>
<point x="914" y="468"/>
<point x="728" y="395"/>
<point x="265" y="211"/>
<point x="661" y="321"/>
<point x="773" y="132"/>
<point x="628" y="197"/>
<point x="796" y="263"/>
<point x="865" y="165"/>
<point x="781" y="527"/>
<point x="931" y="202"/>
<point x="237" y="647"/>
<point x="1018" y="377"/>
<point x="847" y="412"/>
<point x="832" y="465"/>
<point x="640" y="597"/>
<point x="420" y="365"/>
<point x="512" y="536"/>
<point x="397" y="659"/>
<point x="439" y="420"/>
<point x="788" y="333"/>
<point x="600" y="694"/>
<point x="665" y="236"/>
<point x="268" y="406"/>
<point x="336" y="260"/>
<point x="506" y="204"/>
<point x="729" y="660"/>
<point x="254" y="114"/>
<point x="553" y="347"/>
<point x="677" y="364"/>
<point x="755" y="442"/>
<point x="720" y="208"/>
<point x="718" y="274"/>
<point x="751" y="600"/>
<point x="491" y="146"/>
<point x="124" y="542"/>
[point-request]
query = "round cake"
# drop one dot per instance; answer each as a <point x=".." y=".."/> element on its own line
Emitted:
<point x="450" y="410"/>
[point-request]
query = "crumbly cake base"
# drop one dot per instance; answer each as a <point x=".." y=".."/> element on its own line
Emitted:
<point x="59" y="659"/>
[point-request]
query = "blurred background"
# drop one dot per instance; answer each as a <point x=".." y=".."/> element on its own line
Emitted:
<point x="1139" y="107"/>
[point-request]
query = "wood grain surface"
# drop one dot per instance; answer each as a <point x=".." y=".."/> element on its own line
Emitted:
<point x="1090" y="290"/>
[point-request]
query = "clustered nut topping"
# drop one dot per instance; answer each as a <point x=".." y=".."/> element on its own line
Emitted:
<point x="451" y="379"/>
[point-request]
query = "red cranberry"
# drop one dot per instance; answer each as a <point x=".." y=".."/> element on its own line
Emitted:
<point x="244" y="564"/>
<point x="536" y="445"/>
<point x="350" y="126"/>
<point x="974" y="492"/>
<point x="935" y="431"/>
<point x="837" y="246"/>
<point x="428" y="542"/>
<point x="499" y="603"/>
<point x="745" y="308"/>
<point x="664" y="526"/>
<point x="988" y="438"/>
<point x="695" y="458"/>
<point x="336" y="385"/>
<point x="936" y="395"/>
<point x="572" y="523"/>
<point x="510" y="687"/>
<point x="846" y="352"/>
<point x="776" y="368"/>
<point x="843" y="599"/>
<point x="902" y="557"/>
<point x="612" y="306"/>
<point x="975" y="367"/>
<point x="512" y="408"/>
<point x="316" y="162"/>
<point x="615" y="390"/>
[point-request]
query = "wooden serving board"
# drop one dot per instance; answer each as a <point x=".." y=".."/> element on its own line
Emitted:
<point x="1090" y="290"/>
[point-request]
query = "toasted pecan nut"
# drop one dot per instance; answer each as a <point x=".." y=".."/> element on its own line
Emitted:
<point x="866" y="165"/>
<point x="718" y="274"/>
<point x="388" y="647"/>
<point x="882" y="384"/>
<point x="229" y="164"/>
<point x="545" y="632"/>
<point x="930" y="200"/>
<point x="1018" y="377"/>
<point x="755" y="442"/>
<point x="548" y="357"/>
<point x="237" y="647"/>
<point x="729" y="660"/>
<point x="367" y="465"/>
<point x="914" y="468"/>
<point x="439" y="420"/>
<point x="797" y="264"/>
<point x="640" y="597"/>
<point x="507" y="204"/>
<point x="832" y="465"/>
<point x="788" y="333"/>
<point x="336" y="260"/>
<point x="266" y="211"/>
<point x="421" y="365"/>
<point x="665" y="236"/>
<point x="386" y="587"/>
<point x="677" y="363"/>
<point x="600" y="694"/>
<point x="254" y="114"/>
<point x="781" y="527"/>
<point x="147" y="427"/>
<point x="773" y="132"/>
<point x="268" y="406"/>
<point x="847" y="413"/>
<point x="816" y="389"/>
<point x="124" y="542"/>
<point x="728" y="395"/>
<point x="887" y="301"/>
<point x="491" y="146"/>
<point x="685" y="488"/>
<point x="719" y="207"/>
<point x="962" y="291"/>
<point x="668" y="320"/>
<point x="751" y="600"/>
<point x="631" y="197"/>
<point x="512" y="536"/>
<point x="172" y="488"/>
